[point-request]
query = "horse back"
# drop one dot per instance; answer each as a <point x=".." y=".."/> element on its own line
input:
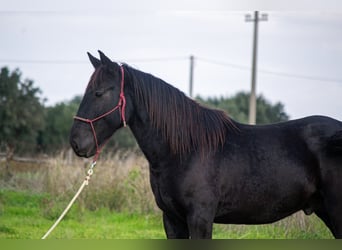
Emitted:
<point x="271" y="171"/>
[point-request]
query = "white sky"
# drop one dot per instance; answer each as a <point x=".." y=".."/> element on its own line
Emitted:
<point x="48" y="41"/>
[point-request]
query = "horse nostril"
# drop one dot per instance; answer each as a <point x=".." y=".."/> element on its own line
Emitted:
<point x="74" y="144"/>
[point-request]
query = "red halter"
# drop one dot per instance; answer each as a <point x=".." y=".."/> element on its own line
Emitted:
<point x="121" y="106"/>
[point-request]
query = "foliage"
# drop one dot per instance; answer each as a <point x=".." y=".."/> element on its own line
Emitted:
<point x="58" y="119"/>
<point x="21" y="111"/>
<point x="238" y="105"/>
<point x="122" y="139"/>
<point x="25" y="122"/>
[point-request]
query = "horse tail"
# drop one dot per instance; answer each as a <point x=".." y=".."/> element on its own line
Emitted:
<point x="334" y="143"/>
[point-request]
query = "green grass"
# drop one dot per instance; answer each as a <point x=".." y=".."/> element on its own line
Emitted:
<point x="25" y="215"/>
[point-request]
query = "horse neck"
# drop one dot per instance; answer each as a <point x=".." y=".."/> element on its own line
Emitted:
<point x="168" y="124"/>
<point x="149" y="139"/>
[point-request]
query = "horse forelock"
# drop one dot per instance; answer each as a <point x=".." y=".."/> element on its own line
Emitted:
<point x="97" y="76"/>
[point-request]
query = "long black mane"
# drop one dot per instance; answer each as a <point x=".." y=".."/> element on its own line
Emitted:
<point x="185" y="124"/>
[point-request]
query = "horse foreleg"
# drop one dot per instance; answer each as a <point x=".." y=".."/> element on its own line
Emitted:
<point x="175" y="228"/>
<point x="200" y="225"/>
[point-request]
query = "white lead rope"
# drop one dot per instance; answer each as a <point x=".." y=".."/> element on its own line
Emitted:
<point x="85" y="183"/>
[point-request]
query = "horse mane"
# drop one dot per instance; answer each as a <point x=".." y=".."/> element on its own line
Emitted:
<point x="184" y="123"/>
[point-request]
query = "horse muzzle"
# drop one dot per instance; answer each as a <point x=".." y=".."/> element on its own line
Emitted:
<point x="83" y="147"/>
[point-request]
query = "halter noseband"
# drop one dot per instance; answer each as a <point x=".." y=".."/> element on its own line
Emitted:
<point x="121" y="106"/>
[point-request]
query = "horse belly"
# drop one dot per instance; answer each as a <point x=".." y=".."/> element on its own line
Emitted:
<point x="252" y="218"/>
<point x="258" y="213"/>
<point x="260" y="203"/>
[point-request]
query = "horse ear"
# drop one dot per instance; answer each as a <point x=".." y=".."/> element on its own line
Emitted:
<point x="94" y="61"/>
<point x="105" y="60"/>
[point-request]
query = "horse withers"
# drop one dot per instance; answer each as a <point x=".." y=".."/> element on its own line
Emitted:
<point x="206" y="168"/>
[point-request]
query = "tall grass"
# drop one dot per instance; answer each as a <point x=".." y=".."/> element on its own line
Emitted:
<point x="120" y="183"/>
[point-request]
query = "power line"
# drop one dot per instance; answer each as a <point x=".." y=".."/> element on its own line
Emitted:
<point x="75" y="61"/>
<point x="269" y="72"/>
<point x="158" y="59"/>
<point x="306" y="77"/>
<point x="56" y="13"/>
<point x="224" y="64"/>
<point x="38" y="61"/>
<point x="180" y="58"/>
<point x="33" y="12"/>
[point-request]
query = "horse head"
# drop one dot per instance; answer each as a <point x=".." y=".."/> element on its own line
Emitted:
<point x="103" y="109"/>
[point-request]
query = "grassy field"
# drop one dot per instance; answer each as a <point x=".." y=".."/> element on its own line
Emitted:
<point x="118" y="204"/>
<point x="24" y="216"/>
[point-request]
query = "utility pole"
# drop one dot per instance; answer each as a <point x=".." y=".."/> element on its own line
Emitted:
<point x="191" y="79"/>
<point x="252" y="100"/>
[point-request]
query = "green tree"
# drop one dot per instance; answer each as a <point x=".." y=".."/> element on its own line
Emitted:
<point x="122" y="139"/>
<point x="58" y="119"/>
<point x="238" y="105"/>
<point x="21" y="112"/>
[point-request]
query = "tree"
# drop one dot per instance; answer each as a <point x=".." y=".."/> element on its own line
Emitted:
<point x="237" y="107"/>
<point x="58" y="119"/>
<point x="21" y="112"/>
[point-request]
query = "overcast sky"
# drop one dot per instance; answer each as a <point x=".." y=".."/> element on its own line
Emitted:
<point x="299" y="53"/>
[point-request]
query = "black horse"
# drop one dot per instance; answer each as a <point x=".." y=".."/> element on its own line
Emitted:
<point x="206" y="168"/>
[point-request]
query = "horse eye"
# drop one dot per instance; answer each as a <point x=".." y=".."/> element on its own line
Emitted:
<point x="99" y="93"/>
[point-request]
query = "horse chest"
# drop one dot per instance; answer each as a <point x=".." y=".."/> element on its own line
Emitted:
<point x="165" y="193"/>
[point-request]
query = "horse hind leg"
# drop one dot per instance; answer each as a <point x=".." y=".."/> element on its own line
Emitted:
<point x="324" y="216"/>
<point x="332" y="218"/>
<point x="330" y="209"/>
<point x="316" y="205"/>
<point x="331" y="184"/>
<point x="333" y="207"/>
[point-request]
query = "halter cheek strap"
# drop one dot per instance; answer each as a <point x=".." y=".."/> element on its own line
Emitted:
<point x="121" y="106"/>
